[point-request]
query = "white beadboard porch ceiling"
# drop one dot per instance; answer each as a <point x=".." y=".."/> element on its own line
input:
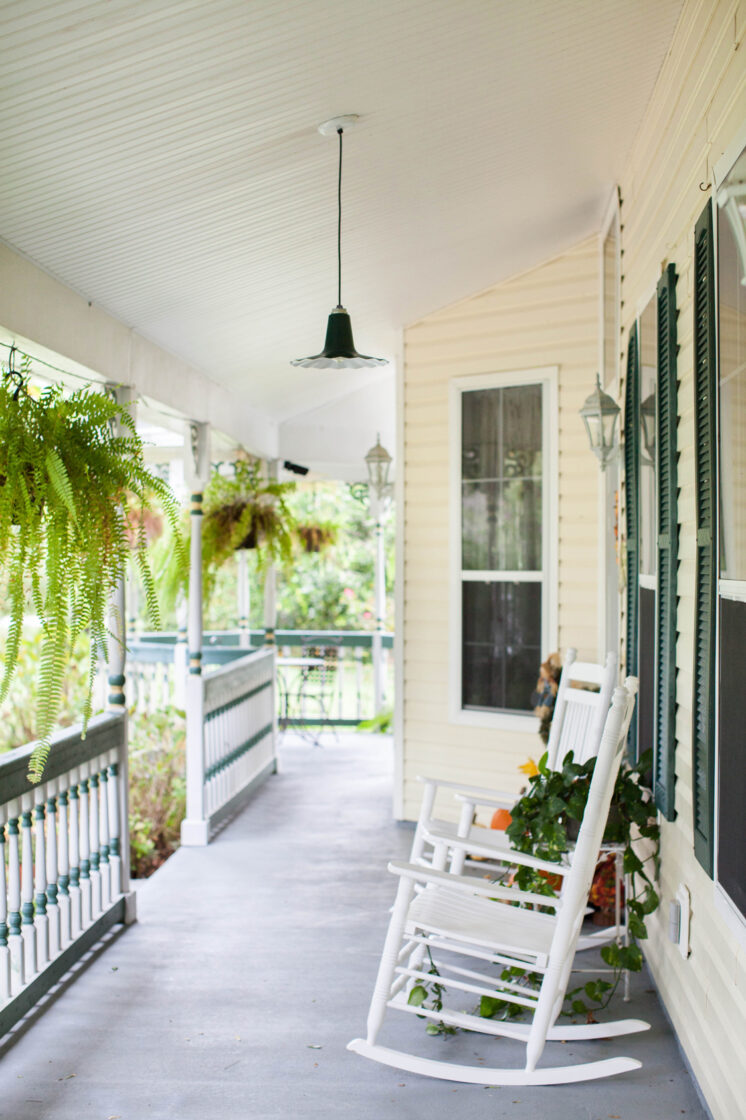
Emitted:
<point x="161" y="157"/>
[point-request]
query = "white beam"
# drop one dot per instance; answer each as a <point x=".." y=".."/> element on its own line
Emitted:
<point x="35" y="308"/>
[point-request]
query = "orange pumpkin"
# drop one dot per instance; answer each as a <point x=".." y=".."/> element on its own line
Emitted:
<point x="501" y="818"/>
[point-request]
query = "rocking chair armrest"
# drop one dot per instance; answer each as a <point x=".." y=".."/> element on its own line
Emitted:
<point x="470" y="885"/>
<point x="506" y="855"/>
<point x="498" y="800"/>
<point x="475" y="792"/>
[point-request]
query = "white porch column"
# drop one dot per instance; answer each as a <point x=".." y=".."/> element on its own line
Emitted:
<point x="376" y="507"/>
<point x="116" y="645"/>
<point x="270" y="577"/>
<point x="181" y="659"/>
<point x="244" y="598"/>
<point x="194" y="828"/>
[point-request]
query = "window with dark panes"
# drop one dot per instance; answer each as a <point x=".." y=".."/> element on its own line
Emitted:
<point x="731" y="732"/>
<point x="502" y="545"/>
<point x="648" y="381"/>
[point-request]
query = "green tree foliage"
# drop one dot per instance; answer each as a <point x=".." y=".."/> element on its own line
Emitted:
<point x="157" y="789"/>
<point x="327" y="590"/>
<point x="333" y="589"/>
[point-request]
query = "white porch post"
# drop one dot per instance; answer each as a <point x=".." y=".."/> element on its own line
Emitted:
<point x="270" y="578"/>
<point x="244" y="598"/>
<point x="376" y="506"/>
<point x="83" y="841"/>
<point x="116" y="644"/>
<point x="194" y="828"/>
<point x="181" y="657"/>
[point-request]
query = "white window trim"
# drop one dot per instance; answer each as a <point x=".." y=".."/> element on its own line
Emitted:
<point x="724" y="588"/>
<point x="608" y="480"/>
<point x="547" y="376"/>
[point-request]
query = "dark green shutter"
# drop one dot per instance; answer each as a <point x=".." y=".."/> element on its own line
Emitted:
<point x="703" y="722"/>
<point x="668" y="544"/>
<point x="632" y="508"/>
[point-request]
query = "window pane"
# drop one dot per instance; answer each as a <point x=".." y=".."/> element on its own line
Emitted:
<point x="501" y="644"/>
<point x="502" y="479"/>
<point x="732" y="781"/>
<point x="732" y="351"/>
<point x="648" y="385"/>
<point x="502" y="526"/>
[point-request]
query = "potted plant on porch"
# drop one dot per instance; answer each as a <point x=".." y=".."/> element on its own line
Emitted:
<point x="241" y="510"/>
<point x="65" y="472"/>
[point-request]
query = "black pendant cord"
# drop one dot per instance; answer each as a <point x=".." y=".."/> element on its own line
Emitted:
<point x="339" y="224"/>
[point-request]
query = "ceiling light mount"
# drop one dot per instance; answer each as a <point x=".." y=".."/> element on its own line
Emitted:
<point x="333" y="126"/>
<point x="339" y="347"/>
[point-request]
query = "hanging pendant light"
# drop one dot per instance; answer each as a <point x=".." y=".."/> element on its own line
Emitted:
<point x="339" y="347"/>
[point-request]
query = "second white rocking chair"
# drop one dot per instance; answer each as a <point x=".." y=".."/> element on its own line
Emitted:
<point x="459" y="917"/>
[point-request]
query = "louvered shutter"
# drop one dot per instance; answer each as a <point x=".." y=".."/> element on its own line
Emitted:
<point x="667" y="552"/>
<point x="703" y="722"/>
<point x="632" y="509"/>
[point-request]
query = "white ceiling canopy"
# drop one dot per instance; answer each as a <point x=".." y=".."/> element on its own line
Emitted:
<point x="162" y="158"/>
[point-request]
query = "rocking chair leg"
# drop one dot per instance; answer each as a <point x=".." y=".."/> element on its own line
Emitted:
<point x="382" y="989"/>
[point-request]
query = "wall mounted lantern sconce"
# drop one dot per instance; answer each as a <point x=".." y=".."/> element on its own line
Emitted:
<point x="600" y="414"/>
<point x="378" y="462"/>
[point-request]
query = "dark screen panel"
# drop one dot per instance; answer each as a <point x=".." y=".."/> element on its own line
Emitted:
<point x="501" y="644"/>
<point x="646" y="671"/>
<point x="732" y="753"/>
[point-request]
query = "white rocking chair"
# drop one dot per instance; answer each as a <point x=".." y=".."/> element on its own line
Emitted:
<point x="459" y="915"/>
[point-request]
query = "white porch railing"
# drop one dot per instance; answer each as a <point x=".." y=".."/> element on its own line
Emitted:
<point x="157" y="671"/>
<point x="64" y="859"/>
<point x="231" y="737"/>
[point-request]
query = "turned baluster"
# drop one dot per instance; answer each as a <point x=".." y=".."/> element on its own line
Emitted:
<point x="53" y="909"/>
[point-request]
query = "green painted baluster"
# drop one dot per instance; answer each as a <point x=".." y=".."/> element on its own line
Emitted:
<point x="4" y="950"/>
<point x="15" y="941"/>
<point x="94" y="842"/>
<point x="76" y="912"/>
<point x="28" y="932"/>
<point x="103" y="837"/>
<point x="53" y="909"/>
<point x="63" y="868"/>
<point x="85" y="863"/>
<point x="115" y="856"/>
<point x="41" y="920"/>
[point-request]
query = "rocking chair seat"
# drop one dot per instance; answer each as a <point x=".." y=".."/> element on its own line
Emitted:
<point x="448" y="913"/>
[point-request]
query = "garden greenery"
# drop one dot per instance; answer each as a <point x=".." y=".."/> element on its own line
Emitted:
<point x="157" y="786"/>
<point x="239" y="510"/>
<point x="67" y="466"/>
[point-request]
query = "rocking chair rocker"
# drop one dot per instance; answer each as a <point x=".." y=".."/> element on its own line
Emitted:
<point x="456" y="915"/>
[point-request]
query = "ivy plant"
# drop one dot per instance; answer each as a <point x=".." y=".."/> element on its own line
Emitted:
<point x="67" y="465"/>
<point x="548" y="816"/>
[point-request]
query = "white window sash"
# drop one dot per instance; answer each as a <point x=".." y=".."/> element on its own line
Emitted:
<point x="548" y="574"/>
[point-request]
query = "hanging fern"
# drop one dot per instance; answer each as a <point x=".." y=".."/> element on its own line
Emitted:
<point x="66" y="474"/>
<point x="240" y="510"/>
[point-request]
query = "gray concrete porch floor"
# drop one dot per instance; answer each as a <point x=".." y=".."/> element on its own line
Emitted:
<point x="251" y="966"/>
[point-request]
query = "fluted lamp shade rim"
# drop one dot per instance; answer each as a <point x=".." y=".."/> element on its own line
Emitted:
<point x="339" y="347"/>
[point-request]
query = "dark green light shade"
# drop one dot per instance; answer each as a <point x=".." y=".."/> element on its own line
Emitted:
<point x="339" y="347"/>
